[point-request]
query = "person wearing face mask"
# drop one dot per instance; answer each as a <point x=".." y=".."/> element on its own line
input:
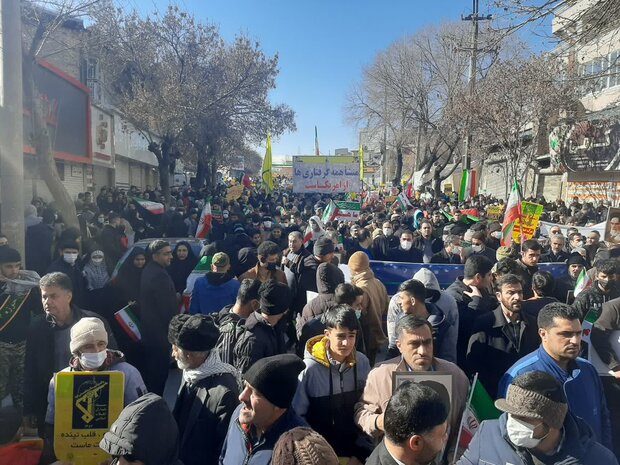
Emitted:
<point x="564" y="286"/>
<point x="602" y="290"/>
<point x="70" y="264"/>
<point x="415" y="344"/>
<point x="494" y="235"/>
<point x="48" y="343"/>
<point x="575" y="241"/>
<point x="263" y="334"/>
<point x="535" y="428"/>
<point x="216" y="289"/>
<point x="406" y="253"/>
<point x="89" y="352"/>
<point x="451" y="252"/>
<point x="560" y="331"/>
<point x="416" y="427"/>
<point x="426" y="242"/>
<point x="389" y="240"/>
<point x="478" y="247"/>
<point x="95" y="271"/>
<point x="267" y="268"/>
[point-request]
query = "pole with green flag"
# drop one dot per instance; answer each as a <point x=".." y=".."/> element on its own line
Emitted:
<point x="267" y="174"/>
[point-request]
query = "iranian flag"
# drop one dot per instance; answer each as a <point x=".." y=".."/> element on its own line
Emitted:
<point x="513" y="212"/>
<point x="329" y="212"/>
<point x="154" y="208"/>
<point x="206" y="218"/>
<point x="583" y="283"/>
<point x="479" y="407"/>
<point x="588" y="323"/>
<point x="402" y="201"/>
<point x="129" y="322"/>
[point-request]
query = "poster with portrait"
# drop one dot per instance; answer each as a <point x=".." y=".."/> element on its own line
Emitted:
<point x="612" y="229"/>
<point x="439" y="381"/>
<point x="86" y="405"/>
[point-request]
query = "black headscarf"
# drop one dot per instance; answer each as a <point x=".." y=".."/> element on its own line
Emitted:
<point x="179" y="270"/>
<point x="128" y="277"/>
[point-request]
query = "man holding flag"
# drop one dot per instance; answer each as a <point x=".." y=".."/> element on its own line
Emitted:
<point x="603" y="289"/>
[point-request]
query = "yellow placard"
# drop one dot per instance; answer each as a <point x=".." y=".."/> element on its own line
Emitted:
<point x="234" y="192"/>
<point x="494" y="212"/>
<point x="87" y="403"/>
<point x="526" y="226"/>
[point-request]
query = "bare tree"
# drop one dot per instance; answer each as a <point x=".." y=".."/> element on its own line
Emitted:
<point x="512" y="107"/>
<point x="43" y="21"/>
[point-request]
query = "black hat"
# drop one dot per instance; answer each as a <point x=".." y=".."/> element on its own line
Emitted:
<point x="328" y="276"/>
<point x="275" y="297"/>
<point x="276" y="378"/>
<point x="323" y="246"/>
<point x="194" y="333"/>
<point x="576" y="259"/>
<point x="9" y="255"/>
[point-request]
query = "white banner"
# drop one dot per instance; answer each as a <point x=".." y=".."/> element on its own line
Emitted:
<point x="326" y="175"/>
<point x="545" y="226"/>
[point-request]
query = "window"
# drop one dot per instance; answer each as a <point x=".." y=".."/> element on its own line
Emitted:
<point x="608" y="70"/>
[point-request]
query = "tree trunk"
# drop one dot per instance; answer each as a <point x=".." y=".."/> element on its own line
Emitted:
<point x="163" y="152"/>
<point x="399" y="166"/>
<point x="43" y="148"/>
<point x="201" y="172"/>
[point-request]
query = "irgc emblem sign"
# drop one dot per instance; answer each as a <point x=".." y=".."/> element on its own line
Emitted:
<point x="87" y="403"/>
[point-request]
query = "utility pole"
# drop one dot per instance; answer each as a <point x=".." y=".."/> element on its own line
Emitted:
<point x="11" y="125"/>
<point x="384" y="155"/>
<point x="473" y="69"/>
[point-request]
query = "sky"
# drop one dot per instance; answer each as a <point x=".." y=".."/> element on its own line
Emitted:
<point x="323" y="46"/>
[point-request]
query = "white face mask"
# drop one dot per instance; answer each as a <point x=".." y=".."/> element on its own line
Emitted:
<point x="70" y="258"/>
<point x="496" y="234"/>
<point x="406" y="245"/>
<point x="476" y="248"/>
<point x="387" y="231"/>
<point x="93" y="361"/>
<point x="97" y="260"/>
<point x="456" y="250"/>
<point x="521" y="434"/>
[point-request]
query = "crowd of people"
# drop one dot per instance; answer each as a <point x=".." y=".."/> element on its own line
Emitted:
<point x="287" y="357"/>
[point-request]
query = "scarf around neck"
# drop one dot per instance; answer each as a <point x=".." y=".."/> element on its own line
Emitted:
<point x="213" y="365"/>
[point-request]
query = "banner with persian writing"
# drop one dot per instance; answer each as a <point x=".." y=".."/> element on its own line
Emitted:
<point x="326" y="175"/>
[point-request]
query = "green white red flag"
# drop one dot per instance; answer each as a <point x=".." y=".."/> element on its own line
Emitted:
<point x="206" y="219"/>
<point x="479" y="407"/>
<point x="129" y="322"/>
<point x="467" y="189"/>
<point x="154" y="208"/>
<point x="583" y="283"/>
<point x="403" y="201"/>
<point x="513" y="213"/>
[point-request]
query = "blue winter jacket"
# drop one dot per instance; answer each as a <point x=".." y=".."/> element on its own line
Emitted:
<point x="240" y="448"/>
<point x="213" y="292"/>
<point x="491" y="445"/>
<point x="582" y="387"/>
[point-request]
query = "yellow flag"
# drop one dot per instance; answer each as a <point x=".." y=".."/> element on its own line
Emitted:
<point x="361" y="162"/>
<point x="267" y="174"/>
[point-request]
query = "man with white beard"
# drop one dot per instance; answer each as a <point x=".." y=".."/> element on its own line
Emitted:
<point x="208" y="394"/>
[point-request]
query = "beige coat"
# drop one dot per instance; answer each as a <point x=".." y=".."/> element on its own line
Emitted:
<point x="375" y="305"/>
<point x="378" y="392"/>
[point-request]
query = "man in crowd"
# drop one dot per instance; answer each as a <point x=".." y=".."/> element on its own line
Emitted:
<point x="472" y="295"/>
<point x="451" y="252"/>
<point x="19" y="302"/>
<point x="501" y="337"/>
<point x="478" y="247"/>
<point x="230" y="319"/>
<point x="331" y="357"/>
<point x="111" y="241"/>
<point x="68" y="264"/>
<point x="48" y="344"/>
<point x="216" y="289"/>
<point x="560" y="330"/>
<point x="565" y="286"/>
<point x="557" y="252"/>
<point x="415" y="343"/>
<point x="383" y="244"/>
<point x="416" y="427"/>
<point x="536" y="427"/>
<point x="265" y="412"/>
<point x="602" y="290"/>
<point x="530" y="256"/>
<point x="268" y="254"/>
<point x="158" y="302"/>
<point x="406" y="252"/>
<point x="374" y="303"/>
<point x="263" y="332"/>
<point x="293" y="266"/>
<point x="412" y="301"/>
<point x="209" y="390"/>
<point x="427" y="243"/>
<point x="39" y="243"/>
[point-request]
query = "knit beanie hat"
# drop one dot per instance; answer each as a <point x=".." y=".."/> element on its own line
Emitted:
<point x="323" y="246"/>
<point x="9" y="255"/>
<point x="573" y="259"/>
<point x="88" y="330"/>
<point x="529" y="404"/>
<point x="303" y="446"/>
<point x="358" y="262"/>
<point x="275" y="297"/>
<point x="328" y="277"/>
<point x="194" y="333"/>
<point x="276" y="378"/>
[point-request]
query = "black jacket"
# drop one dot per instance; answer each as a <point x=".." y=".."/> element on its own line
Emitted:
<point x="444" y="257"/>
<point x="382" y="245"/>
<point x="550" y="257"/>
<point x="158" y="305"/>
<point x="436" y="244"/>
<point x="469" y="309"/>
<point x="39" y="243"/>
<point x="412" y="255"/>
<point x="259" y="340"/>
<point x="594" y="298"/>
<point x="39" y="362"/>
<point x="77" y="279"/>
<point x="231" y="327"/>
<point x="608" y="322"/>
<point x="110" y="242"/>
<point x="203" y="412"/>
<point x="380" y="456"/>
<point x="562" y="287"/>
